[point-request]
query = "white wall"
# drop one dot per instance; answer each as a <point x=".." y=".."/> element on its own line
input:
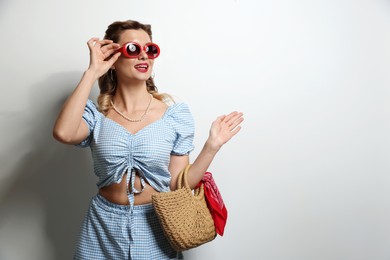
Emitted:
<point x="308" y="176"/>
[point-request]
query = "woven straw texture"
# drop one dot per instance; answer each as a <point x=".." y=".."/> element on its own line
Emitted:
<point x="184" y="215"/>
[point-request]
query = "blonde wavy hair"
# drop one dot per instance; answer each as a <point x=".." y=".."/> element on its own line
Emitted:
<point x="108" y="82"/>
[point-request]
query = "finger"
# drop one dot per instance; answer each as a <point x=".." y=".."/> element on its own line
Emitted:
<point x="105" y="42"/>
<point x="108" y="50"/>
<point x="93" y="39"/>
<point x="232" y="117"/>
<point x="236" y="123"/>
<point x="235" y="131"/>
<point x="91" y="42"/>
<point x="101" y="43"/>
<point x="218" y="121"/>
<point x="114" y="58"/>
<point x="110" y="46"/>
<point x="220" y="118"/>
<point x="109" y="54"/>
<point x="236" y="114"/>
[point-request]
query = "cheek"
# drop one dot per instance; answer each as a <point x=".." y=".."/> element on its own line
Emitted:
<point x="151" y="65"/>
<point x="119" y="63"/>
<point x="124" y="63"/>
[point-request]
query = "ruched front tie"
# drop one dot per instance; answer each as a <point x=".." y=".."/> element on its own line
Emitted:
<point x="130" y="181"/>
<point x="116" y="151"/>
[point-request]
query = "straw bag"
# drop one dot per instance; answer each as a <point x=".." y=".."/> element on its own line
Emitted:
<point x="184" y="215"/>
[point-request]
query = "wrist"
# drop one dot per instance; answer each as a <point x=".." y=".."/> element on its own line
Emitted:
<point x="91" y="73"/>
<point x="211" y="146"/>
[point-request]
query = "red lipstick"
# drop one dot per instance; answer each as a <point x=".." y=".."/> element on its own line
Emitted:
<point x="142" y="67"/>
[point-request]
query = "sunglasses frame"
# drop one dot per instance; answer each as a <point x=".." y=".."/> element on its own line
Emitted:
<point x="126" y="54"/>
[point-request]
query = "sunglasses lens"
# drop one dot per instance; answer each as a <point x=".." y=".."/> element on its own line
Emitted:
<point x="152" y="50"/>
<point x="133" y="49"/>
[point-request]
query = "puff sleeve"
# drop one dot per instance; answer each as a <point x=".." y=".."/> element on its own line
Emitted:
<point x="183" y="124"/>
<point x="90" y="116"/>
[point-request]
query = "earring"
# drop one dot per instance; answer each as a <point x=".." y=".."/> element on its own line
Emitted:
<point x="153" y="75"/>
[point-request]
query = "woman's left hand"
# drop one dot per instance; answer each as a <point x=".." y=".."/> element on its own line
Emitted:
<point x="224" y="128"/>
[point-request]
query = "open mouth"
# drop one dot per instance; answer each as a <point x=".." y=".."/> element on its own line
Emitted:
<point x="142" y="67"/>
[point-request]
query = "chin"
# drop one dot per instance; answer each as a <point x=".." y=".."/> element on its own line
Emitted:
<point x="141" y="77"/>
<point x="146" y="77"/>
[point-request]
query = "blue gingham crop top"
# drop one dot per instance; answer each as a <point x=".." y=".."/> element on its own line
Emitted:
<point x="116" y="151"/>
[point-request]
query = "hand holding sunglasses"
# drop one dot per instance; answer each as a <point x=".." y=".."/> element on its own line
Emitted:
<point x="132" y="50"/>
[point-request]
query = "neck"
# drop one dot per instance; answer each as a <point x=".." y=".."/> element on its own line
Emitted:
<point x="131" y="97"/>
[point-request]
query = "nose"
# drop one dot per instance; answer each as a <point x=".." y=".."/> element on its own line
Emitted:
<point x="142" y="55"/>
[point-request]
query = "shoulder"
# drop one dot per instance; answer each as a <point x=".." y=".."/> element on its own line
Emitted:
<point x="179" y="111"/>
<point x="178" y="108"/>
<point x="91" y="106"/>
<point x="91" y="112"/>
<point x="179" y="117"/>
<point x="184" y="127"/>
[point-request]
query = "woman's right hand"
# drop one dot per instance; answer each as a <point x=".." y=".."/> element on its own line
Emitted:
<point x="100" y="50"/>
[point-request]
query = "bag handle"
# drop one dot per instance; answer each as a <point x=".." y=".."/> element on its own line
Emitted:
<point x="182" y="180"/>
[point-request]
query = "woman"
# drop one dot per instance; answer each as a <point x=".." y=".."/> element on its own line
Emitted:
<point x="139" y="144"/>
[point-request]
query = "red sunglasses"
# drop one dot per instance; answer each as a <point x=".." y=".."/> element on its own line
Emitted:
<point x="132" y="50"/>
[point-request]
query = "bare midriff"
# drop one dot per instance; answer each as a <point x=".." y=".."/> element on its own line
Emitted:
<point x="117" y="192"/>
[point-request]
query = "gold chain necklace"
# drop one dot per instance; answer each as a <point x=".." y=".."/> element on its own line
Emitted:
<point x="134" y="120"/>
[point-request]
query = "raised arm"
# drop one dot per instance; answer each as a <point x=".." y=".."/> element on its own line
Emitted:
<point x="221" y="131"/>
<point x="69" y="127"/>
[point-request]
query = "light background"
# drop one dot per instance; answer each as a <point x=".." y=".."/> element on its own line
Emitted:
<point x="308" y="176"/>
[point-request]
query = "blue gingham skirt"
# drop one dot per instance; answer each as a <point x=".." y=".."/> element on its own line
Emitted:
<point x="120" y="232"/>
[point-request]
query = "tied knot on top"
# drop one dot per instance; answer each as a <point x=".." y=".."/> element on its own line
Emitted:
<point x="214" y="202"/>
